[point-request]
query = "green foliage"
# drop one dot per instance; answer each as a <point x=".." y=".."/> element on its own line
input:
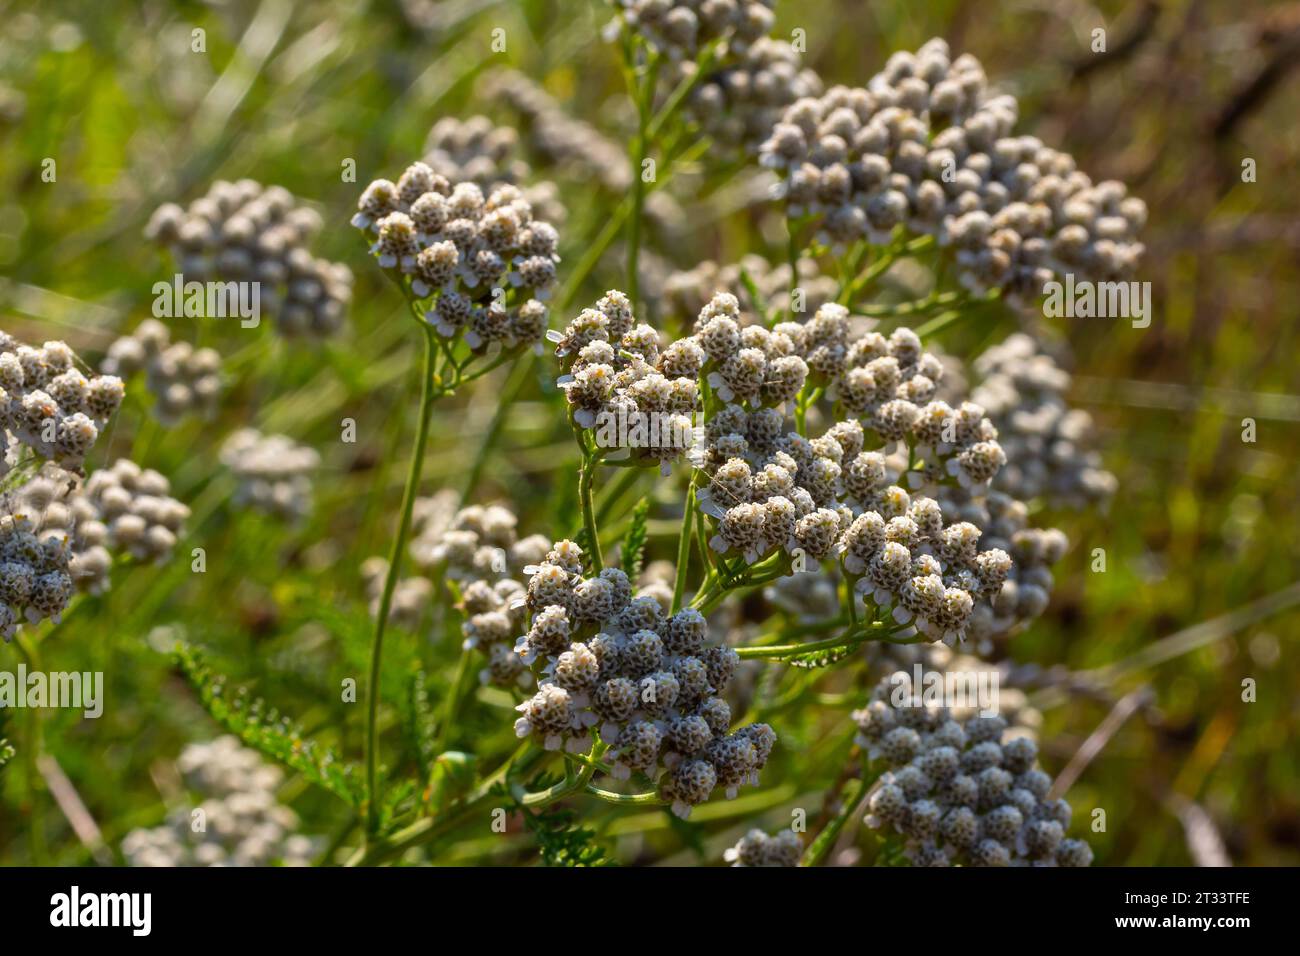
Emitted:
<point x="266" y="730"/>
<point x="419" y="721"/>
<point x="633" y="551"/>
<point x="561" y="842"/>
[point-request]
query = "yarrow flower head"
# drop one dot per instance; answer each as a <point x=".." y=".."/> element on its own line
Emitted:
<point x="650" y="684"/>
<point x="928" y="147"/>
<point x="756" y="848"/>
<point x="122" y="510"/>
<point x="963" y="791"/>
<point x="479" y="549"/>
<point x="245" y="823"/>
<point x="48" y="406"/>
<point x="35" y="582"/>
<point x="679" y="29"/>
<point x="274" y="472"/>
<point x="481" y="265"/>
<point x="182" y="379"/>
<point x="477" y="150"/>
<point x="1047" y="442"/>
<point x="619" y="384"/>
<point x="246" y="232"/>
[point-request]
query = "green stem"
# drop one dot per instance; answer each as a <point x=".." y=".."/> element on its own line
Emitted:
<point x="650" y="797"/>
<point x="585" y="475"/>
<point x="684" y="546"/>
<point x="777" y="652"/>
<point x="852" y="797"/>
<point x="396" y="555"/>
<point x="35" y="745"/>
<point x="453" y="699"/>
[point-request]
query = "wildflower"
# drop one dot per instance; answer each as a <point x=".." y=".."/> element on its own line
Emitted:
<point x="245" y="824"/>
<point x="48" y="406"/>
<point x="928" y="146"/>
<point x="482" y="263"/>
<point x="1023" y="390"/>
<point x="246" y="232"/>
<point x="273" y="471"/>
<point x="647" y="683"/>
<point x="954" y="788"/>
<point x="182" y="379"/>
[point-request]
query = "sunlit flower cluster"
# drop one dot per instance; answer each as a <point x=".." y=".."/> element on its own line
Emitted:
<point x="48" y="406"/>
<point x="484" y="265"/>
<point x="927" y="146"/>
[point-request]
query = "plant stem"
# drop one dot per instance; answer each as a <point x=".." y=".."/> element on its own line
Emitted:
<point x="825" y="840"/>
<point x="777" y="652"/>
<point x="585" y="475"/>
<point x="684" y="546"/>
<point x="394" y="570"/>
<point x="31" y="775"/>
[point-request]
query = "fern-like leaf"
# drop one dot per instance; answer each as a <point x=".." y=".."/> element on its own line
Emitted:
<point x="563" y="844"/>
<point x="633" y="550"/>
<point x="266" y="730"/>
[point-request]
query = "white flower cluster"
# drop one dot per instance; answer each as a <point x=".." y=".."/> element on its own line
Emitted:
<point x="477" y="150"/>
<point x="1002" y="523"/>
<point x="965" y="791"/>
<point x="479" y="548"/>
<point x="48" y="405"/>
<point x="741" y="103"/>
<point x="124" y="509"/>
<point x="240" y="822"/>
<point x="927" y="146"/>
<point x="246" y="232"/>
<point x="617" y="378"/>
<point x="136" y="508"/>
<point x="182" y="379"/>
<point x="756" y="848"/>
<point x="35" y="582"/>
<point x="678" y="29"/>
<point x="650" y="684"/>
<point x="1023" y="390"/>
<point x="487" y="264"/>
<point x="688" y="291"/>
<point x="474" y="543"/>
<point x="274" y="472"/>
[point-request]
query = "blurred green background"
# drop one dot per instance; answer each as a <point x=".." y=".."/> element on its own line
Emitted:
<point x="1203" y="526"/>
